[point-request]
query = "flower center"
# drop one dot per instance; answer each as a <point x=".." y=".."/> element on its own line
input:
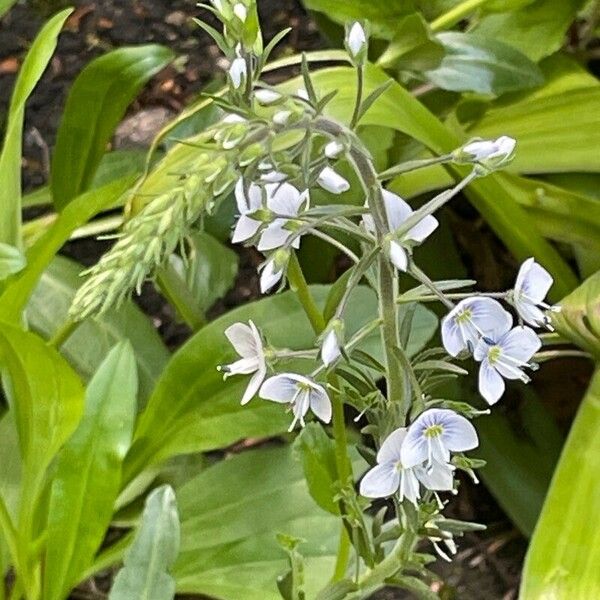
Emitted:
<point x="398" y="466"/>
<point x="464" y="316"/>
<point x="433" y="431"/>
<point x="494" y="354"/>
<point x="303" y="387"/>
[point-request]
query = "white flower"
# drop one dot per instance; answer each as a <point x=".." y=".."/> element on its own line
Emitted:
<point x="397" y="212"/>
<point x="267" y="97"/>
<point x="332" y="182"/>
<point x="273" y="176"/>
<point x="285" y="201"/>
<point x="489" y="153"/>
<point x="248" y="201"/>
<point x="238" y="72"/>
<point x="532" y="284"/>
<point x="471" y="319"/>
<point x="356" y="39"/>
<point x="239" y="10"/>
<point x="233" y="118"/>
<point x="331" y="342"/>
<point x="333" y="149"/>
<point x="273" y="269"/>
<point x="505" y="356"/>
<point x="299" y="391"/>
<point x="248" y="344"/>
<point x="390" y="476"/>
<point x="434" y="434"/>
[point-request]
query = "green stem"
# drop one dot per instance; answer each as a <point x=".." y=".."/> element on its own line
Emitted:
<point x="413" y="165"/>
<point x="455" y="15"/>
<point x="298" y="284"/>
<point x="179" y="295"/>
<point x="360" y="84"/>
<point x="426" y="281"/>
<point x="63" y="333"/>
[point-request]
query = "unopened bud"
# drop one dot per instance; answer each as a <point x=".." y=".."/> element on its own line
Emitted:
<point x="491" y="154"/>
<point x="239" y="10"/>
<point x="332" y="182"/>
<point x="238" y="73"/>
<point x="267" y="97"/>
<point x="334" y="149"/>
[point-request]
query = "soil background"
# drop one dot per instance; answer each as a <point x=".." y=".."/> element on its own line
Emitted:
<point x="487" y="565"/>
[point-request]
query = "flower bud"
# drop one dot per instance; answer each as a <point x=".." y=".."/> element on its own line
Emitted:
<point x="491" y="154"/>
<point x="267" y="97"/>
<point x="330" y="181"/>
<point x="334" y="149"/>
<point x="332" y="341"/>
<point x="238" y="73"/>
<point x="356" y="42"/>
<point x="273" y="269"/>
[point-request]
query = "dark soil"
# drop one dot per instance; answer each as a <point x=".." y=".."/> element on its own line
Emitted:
<point x="487" y="565"/>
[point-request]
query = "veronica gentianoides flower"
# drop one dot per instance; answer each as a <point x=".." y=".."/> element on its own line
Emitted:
<point x="491" y="154"/>
<point x="332" y="182"/>
<point x="301" y="393"/>
<point x="248" y="200"/>
<point x="238" y="71"/>
<point x="532" y="284"/>
<point x="331" y="344"/>
<point x="390" y="475"/>
<point x="284" y="201"/>
<point x="273" y="269"/>
<point x="504" y="357"/>
<point x="433" y="435"/>
<point x="247" y="342"/>
<point x="397" y="212"/>
<point x="472" y="319"/>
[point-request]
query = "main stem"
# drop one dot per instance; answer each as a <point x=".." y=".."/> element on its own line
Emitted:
<point x="298" y="284"/>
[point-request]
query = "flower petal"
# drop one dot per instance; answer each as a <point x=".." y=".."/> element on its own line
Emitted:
<point x="490" y="317"/>
<point x="459" y="434"/>
<point x="242" y="339"/>
<point x="275" y="236"/>
<point x="320" y="403"/>
<point x="245" y="228"/>
<point x="397" y="210"/>
<point x="452" y="338"/>
<point x="269" y="276"/>
<point x="284" y="199"/>
<point x="254" y="385"/>
<point x="390" y="450"/>
<point x="423" y="229"/>
<point x="414" y="448"/>
<point x="380" y="481"/>
<point x="398" y="256"/>
<point x="332" y="182"/>
<point x="491" y="384"/>
<point x="279" y="388"/>
<point x="409" y="486"/>
<point x="437" y="476"/>
<point x="533" y="280"/>
<point x="330" y="349"/>
<point x="520" y="343"/>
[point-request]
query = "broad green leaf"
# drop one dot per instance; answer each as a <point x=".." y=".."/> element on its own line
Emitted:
<point x="316" y="451"/>
<point x="95" y="105"/>
<point x="474" y="63"/>
<point x="47" y="311"/>
<point x="562" y="560"/>
<point x="413" y="47"/>
<point x="579" y="318"/>
<point x="44" y="393"/>
<point x="145" y="574"/>
<point x="193" y="410"/>
<point x="209" y="270"/>
<point x="230" y="516"/>
<point x="16" y="295"/>
<point x="88" y="473"/>
<point x="401" y="111"/>
<point x="381" y="14"/>
<point x="10" y="158"/>
<point x="538" y="29"/>
<point x="548" y="130"/>
<point x="11" y="260"/>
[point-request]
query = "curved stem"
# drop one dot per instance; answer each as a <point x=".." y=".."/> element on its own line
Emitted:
<point x="360" y="84"/>
<point x="336" y="244"/>
<point x="456" y="14"/>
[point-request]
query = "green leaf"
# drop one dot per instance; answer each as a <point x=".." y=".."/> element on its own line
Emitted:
<point x="145" y="575"/>
<point x="230" y="516"/>
<point x="548" y="130"/>
<point x="381" y="14"/>
<point x="33" y="67"/>
<point x="316" y="451"/>
<point x="413" y="47"/>
<point x="95" y="105"/>
<point x="475" y="63"/>
<point x="537" y="29"/>
<point x="47" y="311"/>
<point x="88" y="473"/>
<point x="210" y="270"/>
<point x="15" y="297"/>
<point x="193" y="410"/>
<point x="11" y="260"/>
<point x="579" y="318"/>
<point x="562" y="560"/>
<point x="44" y="393"/>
